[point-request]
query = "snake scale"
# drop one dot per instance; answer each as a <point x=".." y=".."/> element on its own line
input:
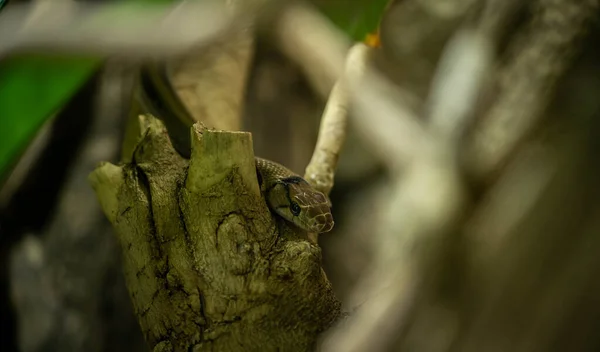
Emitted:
<point x="287" y="194"/>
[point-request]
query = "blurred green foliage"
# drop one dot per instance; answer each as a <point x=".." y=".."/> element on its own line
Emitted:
<point x="34" y="88"/>
<point x="357" y="18"/>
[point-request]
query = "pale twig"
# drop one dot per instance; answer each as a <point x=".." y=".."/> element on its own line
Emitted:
<point x="320" y="171"/>
<point x="313" y="42"/>
<point x="542" y="55"/>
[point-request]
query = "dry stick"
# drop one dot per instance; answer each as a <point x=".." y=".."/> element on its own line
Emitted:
<point x="311" y="41"/>
<point x="320" y="171"/>
<point x="332" y="132"/>
<point x="540" y="58"/>
<point x="332" y="135"/>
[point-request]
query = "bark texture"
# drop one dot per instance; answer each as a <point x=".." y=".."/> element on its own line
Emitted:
<point x="207" y="266"/>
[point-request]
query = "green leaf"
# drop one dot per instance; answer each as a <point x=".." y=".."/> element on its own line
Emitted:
<point x="357" y="18"/>
<point x="33" y="88"/>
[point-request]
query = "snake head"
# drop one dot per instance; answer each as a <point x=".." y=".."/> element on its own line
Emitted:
<point x="296" y="201"/>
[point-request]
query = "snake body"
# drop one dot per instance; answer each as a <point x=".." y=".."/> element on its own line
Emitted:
<point x="287" y="194"/>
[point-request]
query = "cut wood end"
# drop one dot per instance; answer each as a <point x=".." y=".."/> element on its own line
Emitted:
<point x="216" y="153"/>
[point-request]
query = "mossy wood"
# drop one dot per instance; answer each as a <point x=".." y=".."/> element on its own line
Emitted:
<point x="208" y="267"/>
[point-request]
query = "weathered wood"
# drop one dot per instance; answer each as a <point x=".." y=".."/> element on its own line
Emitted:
<point x="208" y="267"/>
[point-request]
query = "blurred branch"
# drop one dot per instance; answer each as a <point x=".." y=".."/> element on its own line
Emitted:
<point x="130" y="29"/>
<point x="428" y="199"/>
<point x="427" y="206"/>
<point x="539" y="57"/>
<point x="311" y="41"/>
<point x="409" y="305"/>
<point x="532" y="259"/>
<point x="211" y="80"/>
<point x="413" y="34"/>
<point x="454" y="94"/>
<point x="497" y="16"/>
<point x="389" y="126"/>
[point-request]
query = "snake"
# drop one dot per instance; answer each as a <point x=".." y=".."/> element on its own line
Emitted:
<point x="287" y="194"/>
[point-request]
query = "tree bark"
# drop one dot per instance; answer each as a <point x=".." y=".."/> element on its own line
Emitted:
<point x="207" y="266"/>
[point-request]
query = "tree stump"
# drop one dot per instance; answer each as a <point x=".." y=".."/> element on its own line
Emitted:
<point x="207" y="265"/>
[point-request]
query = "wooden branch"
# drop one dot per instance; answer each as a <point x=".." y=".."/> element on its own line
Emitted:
<point x="206" y="264"/>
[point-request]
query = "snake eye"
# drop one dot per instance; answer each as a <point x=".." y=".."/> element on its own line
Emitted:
<point x="295" y="208"/>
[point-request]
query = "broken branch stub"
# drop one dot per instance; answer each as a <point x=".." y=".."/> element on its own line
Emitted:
<point x="206" y="263"/>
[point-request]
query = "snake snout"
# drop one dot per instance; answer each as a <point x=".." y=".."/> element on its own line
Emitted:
<point x="324" y="223"/>
<point x="316" y="209"/>
<point x="321" y="219"/>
